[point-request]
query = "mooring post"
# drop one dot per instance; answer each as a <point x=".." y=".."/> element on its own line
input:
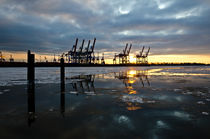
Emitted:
<point x="31" y="88"/>
<point x="62" y="70"/>
<point x="31" y="67"/>
<point x="62" y="97"/>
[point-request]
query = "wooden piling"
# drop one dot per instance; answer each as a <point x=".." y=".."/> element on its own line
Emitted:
<point x="62" y="97"/>
<point x="31" y="66"/>
<point x="62" y="70"/>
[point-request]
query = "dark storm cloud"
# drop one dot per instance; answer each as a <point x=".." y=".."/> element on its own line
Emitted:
<point x="169" y="27"/>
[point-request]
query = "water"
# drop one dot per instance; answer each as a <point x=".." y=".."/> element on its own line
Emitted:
<point x="114" y="102"/>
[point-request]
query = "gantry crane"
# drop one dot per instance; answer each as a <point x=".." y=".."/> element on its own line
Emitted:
<point x="1" y="57"/>
<point x="142" y="59"/>
<point x="102" y="59"/>
<point x="11" y="59"/>
<point x="82" y="57"/>
<point x="124" y="56"/>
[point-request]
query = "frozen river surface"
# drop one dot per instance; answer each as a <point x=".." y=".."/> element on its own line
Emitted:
<point x="114" y="102"/>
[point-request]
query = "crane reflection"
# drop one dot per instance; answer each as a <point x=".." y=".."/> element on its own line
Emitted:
<point x="132" y="76"/>
<point x="129" y="78"/>
<point x="83" y="84"/>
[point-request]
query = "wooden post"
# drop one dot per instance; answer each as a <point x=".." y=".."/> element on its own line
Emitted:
<point x="62" y="70"/>
<point x="62" y="97"/>
<point x="31" y="67"/>
<point x="31" y="88"/>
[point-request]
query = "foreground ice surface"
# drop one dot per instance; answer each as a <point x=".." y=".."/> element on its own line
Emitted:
<point x="132" y="99"/>
<point x="132" y="102"/>
<point x="18" y="76"/>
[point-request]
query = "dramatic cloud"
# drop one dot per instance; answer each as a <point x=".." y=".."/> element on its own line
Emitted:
<point x="51" y="26"/>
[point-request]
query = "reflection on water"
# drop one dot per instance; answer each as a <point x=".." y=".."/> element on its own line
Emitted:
<point x="133" y="106"/>
<point x="132" y="76"/>
<point x="131" y="103"/>
<point x="83" y="84"/>
<point x="31" y="102"/>
<point x="179" y="71"/>
<point x="62" y="97"/>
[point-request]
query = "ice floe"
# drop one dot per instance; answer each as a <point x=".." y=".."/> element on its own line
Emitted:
<point x="127" y="98"/>
<point x="187" y="93"/>
<point x="161" y="124"/>
<point x="200" y="93"/>
<point x="90" y="93"/>
<point x="151" y="101"/>
<point x="200" y="102"/>
<point x="182" y="115"/>
<point x="51" y="109"/>
<point x="135" y="99"/>
<point x="176" y="90"/>
<point x="124" y="121"/>
<point x="114" y="90"/>
<point x="205" y="113"/>
<point x="6" y="90"/>
<point x="207" y="99"/>
<point x="73" y="92"/>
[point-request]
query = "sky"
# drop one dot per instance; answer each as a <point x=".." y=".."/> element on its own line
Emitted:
<point x="176" y="30"/>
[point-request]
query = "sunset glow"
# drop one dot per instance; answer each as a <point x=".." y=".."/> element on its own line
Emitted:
<point x="21" y="56"/>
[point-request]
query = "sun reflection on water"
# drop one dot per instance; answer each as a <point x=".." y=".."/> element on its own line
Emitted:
<point x="177" y="71"/>
<point x="132" y="106"/>
<point x="131" y="90"/>
<point x="131" y="73"/>
<point x="131" y="79"/>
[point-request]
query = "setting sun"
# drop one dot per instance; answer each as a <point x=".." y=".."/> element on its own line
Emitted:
<point x="132" y="59"/>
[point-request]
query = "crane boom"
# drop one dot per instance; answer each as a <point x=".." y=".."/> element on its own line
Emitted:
<point x="142" y="51"/>
<point x="93" y="44"/>
<point x="83" y="41"/>
<point x="124" y="51"/>
<point x="147" y="52"/>
<point x="75" y="46"/>
<point x="129" y="49"/>
<point x="88" y="46"/>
